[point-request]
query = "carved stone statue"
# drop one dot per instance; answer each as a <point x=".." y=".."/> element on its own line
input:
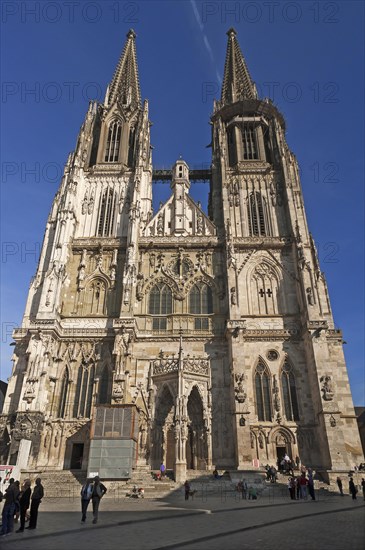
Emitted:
<point x="310" y="296"/>
<point x="233" y="296"/>
<point x="327" y="387"/>
<point x="239" y="391"/>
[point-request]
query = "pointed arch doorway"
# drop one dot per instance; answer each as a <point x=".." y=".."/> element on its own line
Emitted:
<point x="163" y="436"/>
<point x="196" y="443"/>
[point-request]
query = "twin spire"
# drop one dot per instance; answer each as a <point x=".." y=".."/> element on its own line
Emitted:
<point x="237" y="82"/>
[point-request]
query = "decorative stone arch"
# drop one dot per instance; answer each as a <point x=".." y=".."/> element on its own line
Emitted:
<point x="204" y="279"/>
<point x="263" y="282"/>
<point x="94" y="295"/>
<point x="282" y="440"/>
<point x="196" y="444"/>
<point x="163" y="449"/>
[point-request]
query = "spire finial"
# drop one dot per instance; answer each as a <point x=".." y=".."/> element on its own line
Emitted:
<point x="232" y="32"/>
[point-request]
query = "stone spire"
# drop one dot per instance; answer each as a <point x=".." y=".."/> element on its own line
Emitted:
<point x="125" y="83"/>
<point x="237" y="83"/>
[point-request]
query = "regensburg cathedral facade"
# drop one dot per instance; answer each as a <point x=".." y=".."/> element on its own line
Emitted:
<point x="217" y="327"/>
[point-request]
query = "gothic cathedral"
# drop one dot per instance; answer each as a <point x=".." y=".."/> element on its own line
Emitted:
<point x="217" y="328"/>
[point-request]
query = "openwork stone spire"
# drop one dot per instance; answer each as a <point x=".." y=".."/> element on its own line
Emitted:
<point x="125" y="83"/>
<point x="237" y="83"/>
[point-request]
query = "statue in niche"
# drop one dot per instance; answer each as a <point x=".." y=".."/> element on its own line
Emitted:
<point x="84" y="205"/>
<point x="90" y="205"/>
<point x="160" y="224"/>
<point x="233" y="296"/>
<point x="310" y="296"/>
<point x="327" y="387"/>
<point x="199" y="224"/>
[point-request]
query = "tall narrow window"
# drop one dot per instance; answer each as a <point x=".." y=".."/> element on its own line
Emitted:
<point x="201" y="303"/>
<point x="263" y="394"/>
<point x="131" y="142"/>
<point x="257" y="215"/>
<point x="105" y="226"/>
<point x="250" y="151"/>
<point x="113" y="142"/>
<point x="63" y="394"/>
<point x="84" y="391"/>
<point x="289" y="393"/>
<point x="104" y="397"/>
<point x="160" y="305"/>
<point x="232" y="146"/>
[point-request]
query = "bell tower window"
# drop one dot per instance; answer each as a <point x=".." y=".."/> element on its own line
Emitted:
<point x="257" y="214"/>
<point x="113" y="142"/>
<point x="249" y="142"/>
<point x="106" y="214"/>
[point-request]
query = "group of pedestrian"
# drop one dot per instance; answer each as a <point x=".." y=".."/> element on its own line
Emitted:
<point x="271" y="473"/>
<point x="16" y="503"/>
<point x="299" y="486"/>
<point x="92" y="490"/>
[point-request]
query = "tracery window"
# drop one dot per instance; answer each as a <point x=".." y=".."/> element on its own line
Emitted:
<point x="263" y="393"/>
<point x="201" y="303"/>
<point x="113" y="142"/>
<point x="131" y="143"/>
<point x="289" y="393"/>
<point x="63" y="394"/>
<point x="257" y="215"/>
<point x="105" y="225"/>
<point x="104" y="385"/>
<point x="94" y="297"/>
<point x="249" y="142"/>
<point x="160" y="305"/>
<point x="84" y="391"/>
<point x="232" y="147"/>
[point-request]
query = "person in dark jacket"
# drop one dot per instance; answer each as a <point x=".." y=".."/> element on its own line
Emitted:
<point x="11" y="496"/>
<point x="86" y="494"/>
<point x="352" y="488"/>
<point x="99" y="491"/>
<point x="37" y="495"/>
<point x="24" y="501"/>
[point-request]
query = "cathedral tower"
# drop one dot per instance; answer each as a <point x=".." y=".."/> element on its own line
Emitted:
<point x="217" y="329"/>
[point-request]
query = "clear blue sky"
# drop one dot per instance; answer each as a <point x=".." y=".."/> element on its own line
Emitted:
<point x="308" y="54"/>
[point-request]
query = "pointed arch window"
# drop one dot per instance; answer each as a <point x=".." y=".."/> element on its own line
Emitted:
<point x="232" y="146"/>
<point x="84" y="391"/>
<point x="257" y="215"/>
<point x="105" y="225"/>
<point x="249" y="142"/>
<point x="131" y="142"/>
<point x="113" y="142"/>
<point x="104" y="387"/>
<point x="263" y="393"/>
<point x="160" y="305"/>
<point x="94" y="297"/>
<point x="63" y="394"/>
<point x="201" y="303"/>
<point x="289" y="393"/>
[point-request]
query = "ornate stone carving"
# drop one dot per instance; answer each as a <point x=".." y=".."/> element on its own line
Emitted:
<point x="327" y="387"/>
<point x="240" y="394"/>
<point x="233" y="296"/>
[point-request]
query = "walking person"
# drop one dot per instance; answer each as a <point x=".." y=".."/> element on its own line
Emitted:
<point x="291" y="487"/>
<point x="303" y="482"/>
<point x="363" y="487"/>
<point x="86" y="493"/>
<point x="352" y="488"/>
<point x="244" y="488"/>
<point x="339" y="484"/>
<point x="24" y="501"/>
<point x="11" y="496"/>
<point x="311" y="484"/>
<point x="37" y="495"/>
<point x="99" y="491"/>
<point x="187" y="489"/>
